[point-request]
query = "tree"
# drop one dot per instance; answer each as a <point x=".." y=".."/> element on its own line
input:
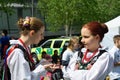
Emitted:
<point x="108" y="9"/>
<point x="59" y="13"/>
<point x="69" y="13"/>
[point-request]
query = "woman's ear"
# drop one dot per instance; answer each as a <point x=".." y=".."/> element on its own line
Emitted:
<point x="97" y="36"/>
<point x="32" y="32"/>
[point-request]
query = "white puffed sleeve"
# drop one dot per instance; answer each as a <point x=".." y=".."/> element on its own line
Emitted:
<point x="20" y="69"/>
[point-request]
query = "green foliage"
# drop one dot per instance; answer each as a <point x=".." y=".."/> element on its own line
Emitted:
<point x="14" y="1"/>
<point x="108" y="9"/>
<point x="59" y="12"/>
<point x="5" y="5"/>
<point x="75" y="13"/>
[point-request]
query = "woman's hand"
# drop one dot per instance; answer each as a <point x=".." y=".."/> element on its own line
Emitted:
<point x="77" y="65"/>
<point x="48" y="65"/>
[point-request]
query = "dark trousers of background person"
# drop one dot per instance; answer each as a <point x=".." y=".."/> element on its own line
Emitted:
<point x="57" y="75"/>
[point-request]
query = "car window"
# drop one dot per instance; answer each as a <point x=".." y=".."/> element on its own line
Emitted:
<point x="66" y="43"/>
<point x="47" y="44"/>
<point x="57" y="44"/>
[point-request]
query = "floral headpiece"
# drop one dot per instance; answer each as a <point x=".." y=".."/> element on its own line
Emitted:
<point x="26" y="22"/>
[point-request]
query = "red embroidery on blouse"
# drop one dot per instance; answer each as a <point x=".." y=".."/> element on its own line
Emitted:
<point x="87" y="59"/>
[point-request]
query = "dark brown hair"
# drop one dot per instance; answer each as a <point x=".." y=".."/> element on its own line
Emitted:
<point x="5" y="32"/>
<point x="97" y="28"/>
<point x="116" y="37"/>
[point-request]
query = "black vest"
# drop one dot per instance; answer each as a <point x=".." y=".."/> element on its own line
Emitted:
<point x="6" y="74"/>
<point x="92" y="61"/>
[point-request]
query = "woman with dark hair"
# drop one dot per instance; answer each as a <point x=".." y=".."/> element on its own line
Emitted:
<point x="55" y="57"/>
<point x="96" y="63"/>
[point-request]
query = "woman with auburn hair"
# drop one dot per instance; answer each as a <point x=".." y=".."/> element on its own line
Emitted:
<point x="96" y="62"/>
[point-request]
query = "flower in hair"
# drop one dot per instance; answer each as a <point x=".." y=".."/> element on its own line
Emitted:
<point x="26" y="22"/>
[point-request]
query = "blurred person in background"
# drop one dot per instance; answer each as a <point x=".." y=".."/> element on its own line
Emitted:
<point x="55" y="57"/>
<point x="67" y="55"/>
<point x="115" y="52"/>
<point x="4" y="43"/>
